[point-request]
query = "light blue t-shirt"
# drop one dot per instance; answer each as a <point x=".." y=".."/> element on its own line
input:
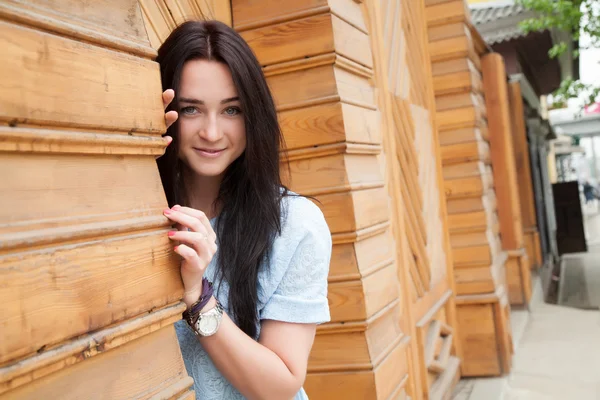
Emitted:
<point x="291" y="288"/>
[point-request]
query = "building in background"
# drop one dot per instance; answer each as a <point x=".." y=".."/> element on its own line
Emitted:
<point x="527" y="62"/>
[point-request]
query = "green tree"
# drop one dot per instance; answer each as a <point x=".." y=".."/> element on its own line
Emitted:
<point x="576" y="17"/>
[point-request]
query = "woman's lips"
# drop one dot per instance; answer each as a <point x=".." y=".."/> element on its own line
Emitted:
<point x="210" y="153"/>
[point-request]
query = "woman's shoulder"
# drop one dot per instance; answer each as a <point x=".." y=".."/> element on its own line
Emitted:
<point x="302" y="215"/>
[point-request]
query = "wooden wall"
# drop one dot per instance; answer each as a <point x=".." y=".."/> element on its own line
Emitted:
<point x="469" y="181"/>
<point x="531" y="234"/>
<point x="505" y="175"/>
<point x="355" y="105"/>
<point x="90" y="287"/>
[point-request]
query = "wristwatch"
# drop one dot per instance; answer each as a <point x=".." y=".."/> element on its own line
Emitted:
<point x="207" y="323"/>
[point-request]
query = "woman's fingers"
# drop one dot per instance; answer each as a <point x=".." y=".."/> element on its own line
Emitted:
<point x="186" y="221"/>
<point x="170" y="118"/>
<point x="200" y="242"/>
<point x="169" y="140"/>
<point x="168" y="96"/>
<point x="200" y="216"/>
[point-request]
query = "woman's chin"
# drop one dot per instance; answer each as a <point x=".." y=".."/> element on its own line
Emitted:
<point x="209" y="172"/>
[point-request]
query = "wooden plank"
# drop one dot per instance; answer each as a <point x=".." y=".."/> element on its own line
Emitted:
<point x="459" y="82"/>
<point x="249" y="14"/>
<point x="458" y="118"/>
<point x="354" y="210"/>
<point x="466" y="152"/>
<point x="447" y="31"/>
<point x="52" y="71"/>
<point x="447" y="13"/>
<point x="462" y="135"/>
<point x="505" y="178"/>
<point x="138" y="373"/>
<point x="90" y="22"/>
<point x="479" y="339"/>
<point x="521" y="155"/>
<point x="518" y="277"/>
<point x="291" y="40"/>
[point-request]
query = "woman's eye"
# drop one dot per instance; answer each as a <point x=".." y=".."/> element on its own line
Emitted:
<point x="188" y="110"/>
<point x="231" y="111"/>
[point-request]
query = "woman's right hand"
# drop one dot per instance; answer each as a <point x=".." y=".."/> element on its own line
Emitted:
<point x="197" y="247"/>
<point x="171" y="116"/>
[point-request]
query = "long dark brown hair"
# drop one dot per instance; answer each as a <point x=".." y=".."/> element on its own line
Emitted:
<point x="251" y="191"/>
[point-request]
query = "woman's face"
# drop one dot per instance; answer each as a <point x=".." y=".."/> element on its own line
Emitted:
<point x="212" y="133"/>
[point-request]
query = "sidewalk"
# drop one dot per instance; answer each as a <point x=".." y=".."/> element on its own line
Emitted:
<point x="557" y="357"/>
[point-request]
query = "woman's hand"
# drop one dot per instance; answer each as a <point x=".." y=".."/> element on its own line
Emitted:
<point x="171" y="116"/>
<point x="197" y="247"/>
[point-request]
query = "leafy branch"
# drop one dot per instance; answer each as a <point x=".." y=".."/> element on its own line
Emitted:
<point x="577" y="17"/>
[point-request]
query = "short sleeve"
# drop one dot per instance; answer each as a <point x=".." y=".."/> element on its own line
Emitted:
<point x="301" y="295"/>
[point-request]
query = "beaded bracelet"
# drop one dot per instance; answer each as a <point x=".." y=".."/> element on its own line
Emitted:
<point x="194" y="309"/>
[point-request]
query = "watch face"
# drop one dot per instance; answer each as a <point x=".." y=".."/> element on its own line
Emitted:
<point x="208" y="324"/>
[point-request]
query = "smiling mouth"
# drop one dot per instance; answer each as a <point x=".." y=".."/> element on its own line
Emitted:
<point x="209" y="152"/>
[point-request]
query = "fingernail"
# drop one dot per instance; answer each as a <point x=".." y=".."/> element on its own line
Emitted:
<point x="176" y="207"/>
<point x="171" y="233"/>
<point x="167" y="211"/>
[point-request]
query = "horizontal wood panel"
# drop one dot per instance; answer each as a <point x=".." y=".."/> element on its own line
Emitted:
<point x="346" y="301"/>
<point x="447" y="31"/>
<point x="313" y="126"/>
<point x="330" y="385"/>
<point x="254" y="13"/>
<point x="381" y="288"/>
<point x="466" y="170"/>
<point x="458" y="82"/>
<point x="460" y="100"/>
<point x="353" y="88"/>
<point x="83" y="287"/>
<point x="291" y="40"/>
<point x="330" y="352"/>
<point x="334" y="173"/>
<point x="448" y="49"/>
<point x="466" y="152"/>
<point x="361" y="125"/>
<point x="343" y="264"/>
<point x="485" y="203"/>
<point x="447" y="12"/>
<point x="472" y="220"/>
<point x="468" y="187"/>
<point x="479" y="339"/>
<point x="129" y="371"/>
<point x="460" y="117"/>
<point x="474" y="280"/>
<point x="384" y="333"/>
<point x="477" y="255"/>
<point x="299" y="87"/>
<point x="91" y="22"/>
<point x="463" y="135"/>
<point x="351" y="42"/>
<point x="391" y="375"/>
<point x="41" y="187"/>
<point x="67" y="83"/>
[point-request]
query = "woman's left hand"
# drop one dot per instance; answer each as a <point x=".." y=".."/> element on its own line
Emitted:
<point x="197" y="248"/>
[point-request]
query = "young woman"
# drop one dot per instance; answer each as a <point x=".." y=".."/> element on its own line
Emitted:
<point x="255" y="257"/>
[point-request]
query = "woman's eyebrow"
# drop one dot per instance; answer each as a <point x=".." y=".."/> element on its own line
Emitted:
<point x="201" y="102"/>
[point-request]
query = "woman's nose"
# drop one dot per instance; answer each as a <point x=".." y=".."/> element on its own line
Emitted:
<point x="210" y="130"/>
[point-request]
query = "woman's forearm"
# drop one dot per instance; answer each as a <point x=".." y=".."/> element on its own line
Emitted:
<point x="252" y="368"/>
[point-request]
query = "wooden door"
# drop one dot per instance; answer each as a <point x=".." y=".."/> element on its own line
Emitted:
<point x="90" y="285"/>
<point x="570" y="232"/>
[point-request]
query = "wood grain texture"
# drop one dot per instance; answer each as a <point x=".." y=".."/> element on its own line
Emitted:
<point x="121" y="92"/>
<point x="501" y="144"/>
<point x="90" y="282"/>
<point x="521" y="155"/>
<point x="131" y="369"/>
<point x="91" y="22"/>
